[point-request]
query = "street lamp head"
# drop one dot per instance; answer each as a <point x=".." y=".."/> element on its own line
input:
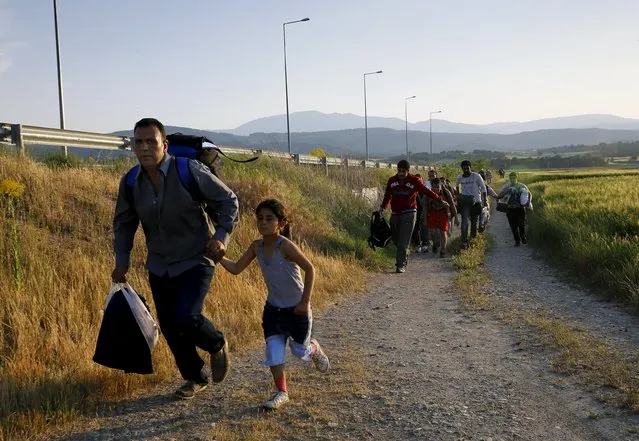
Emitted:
<point x="296" y="21"/>
<point x="410" y="97"/>
<point x="379" y="71"/>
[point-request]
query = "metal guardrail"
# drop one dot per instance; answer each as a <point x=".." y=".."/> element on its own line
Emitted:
<point x="21" y="136"/>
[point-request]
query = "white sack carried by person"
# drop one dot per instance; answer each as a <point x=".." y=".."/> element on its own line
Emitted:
<point x="128" y="332"/>
<point x="525" y="199"/>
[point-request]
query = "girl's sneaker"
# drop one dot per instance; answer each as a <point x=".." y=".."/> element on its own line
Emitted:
<point x="320" y="360"/>
<point x="277" y="399"/>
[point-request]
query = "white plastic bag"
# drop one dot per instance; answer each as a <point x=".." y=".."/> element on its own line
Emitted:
<point x="523" y="200"/>
<point x="142" y="315"/>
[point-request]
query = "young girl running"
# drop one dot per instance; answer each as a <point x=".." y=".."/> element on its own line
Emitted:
<point x="287" y="313"/>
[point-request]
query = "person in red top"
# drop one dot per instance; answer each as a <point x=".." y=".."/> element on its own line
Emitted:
<point x="401" y="194"/>
<point x="439" y="216"/>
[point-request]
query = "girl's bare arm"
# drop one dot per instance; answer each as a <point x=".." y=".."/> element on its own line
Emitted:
<point x="244" y="261"/>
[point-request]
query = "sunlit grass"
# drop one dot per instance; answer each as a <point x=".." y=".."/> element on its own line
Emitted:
<point x="591" y="225"/>
<point x="58" y="231"/>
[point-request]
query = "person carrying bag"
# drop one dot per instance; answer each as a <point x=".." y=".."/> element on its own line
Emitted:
<point x="128" y="332"/>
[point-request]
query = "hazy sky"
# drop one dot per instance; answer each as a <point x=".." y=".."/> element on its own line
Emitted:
<point x="217" y="64"/>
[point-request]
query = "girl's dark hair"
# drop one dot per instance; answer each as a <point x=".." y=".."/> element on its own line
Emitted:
<point x="435" y="181"/>
<point x="280" y="213"/>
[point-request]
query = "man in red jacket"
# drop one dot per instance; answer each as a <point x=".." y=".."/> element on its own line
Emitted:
<point x="401" y="193"/>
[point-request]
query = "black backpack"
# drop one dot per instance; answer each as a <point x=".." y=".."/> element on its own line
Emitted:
<point x="380" y="231"/>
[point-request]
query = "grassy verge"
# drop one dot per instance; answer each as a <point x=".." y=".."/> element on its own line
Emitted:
<point x="55" y="243"/>
<point x="472" y="277"/>
<point x="577" y="353"/>
<point x="590" y="360"/>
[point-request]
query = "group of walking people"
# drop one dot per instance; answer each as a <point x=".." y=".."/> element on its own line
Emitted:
<point x="183" y="251"/>
<point x="423" y="212"/>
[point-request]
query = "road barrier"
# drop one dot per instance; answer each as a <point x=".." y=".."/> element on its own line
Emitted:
<point x="20" y="136"/>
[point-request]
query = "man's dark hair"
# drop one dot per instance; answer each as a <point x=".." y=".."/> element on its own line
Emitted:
<point x="435" y="181"/>
<point x="465" y="162"/>
<point x="151" y="122"/>
<point x="403" y="164"/>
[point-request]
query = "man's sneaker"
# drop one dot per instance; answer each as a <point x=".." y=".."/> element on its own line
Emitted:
<point x="190" y="389"/>
<point x="524" y="240"/>
<point x="400" y="269"/>
<point x="320" y="360"/>
<point x="220" y="364"/>
<point x="277" y="399"/>
<point x="442" y="254"/>
<point x="517" y="244"/>
<point x="435" y="248"/>
<point x="424" y="249"/>
<point x="464" y="245"/>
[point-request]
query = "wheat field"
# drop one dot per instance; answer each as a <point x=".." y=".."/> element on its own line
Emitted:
<point x="589" y="221"/>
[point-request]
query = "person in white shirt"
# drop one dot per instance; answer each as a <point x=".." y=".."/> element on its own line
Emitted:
<point x="472" y="198"/>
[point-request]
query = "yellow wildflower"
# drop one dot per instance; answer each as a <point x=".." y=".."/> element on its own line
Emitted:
<point x="11" y="188"/>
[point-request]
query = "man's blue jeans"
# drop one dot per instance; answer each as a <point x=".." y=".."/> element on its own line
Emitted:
<point x="179" y="301"/>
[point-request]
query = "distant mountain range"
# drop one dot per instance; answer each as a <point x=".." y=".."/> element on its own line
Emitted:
<point x="385" y="142"/>
<point x="313" y="121"/>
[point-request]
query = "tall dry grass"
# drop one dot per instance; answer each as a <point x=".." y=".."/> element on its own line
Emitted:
<point x="58" y="233"/>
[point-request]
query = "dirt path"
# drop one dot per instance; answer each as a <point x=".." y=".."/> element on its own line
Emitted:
<point x="538" y="286"/>
<point x="408" y="363"/>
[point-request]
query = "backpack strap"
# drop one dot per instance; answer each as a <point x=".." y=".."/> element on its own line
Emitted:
<point x="129" y="183"/>
<point x="187" y="179"/>
<point x="184" y="173"/>
<point x="190" y="184"/>
<point x="254" y="158"/>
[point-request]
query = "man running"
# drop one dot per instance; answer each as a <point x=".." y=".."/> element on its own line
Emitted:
<point x="401" y="193"/>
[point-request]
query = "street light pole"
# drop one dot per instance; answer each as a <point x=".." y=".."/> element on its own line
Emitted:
<point x="366" y="112"/>
<point x="406" y="119"/>
<point x="288" y="123"/>
<point x="57" y="50"/>
<point x="430" y="131"/>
